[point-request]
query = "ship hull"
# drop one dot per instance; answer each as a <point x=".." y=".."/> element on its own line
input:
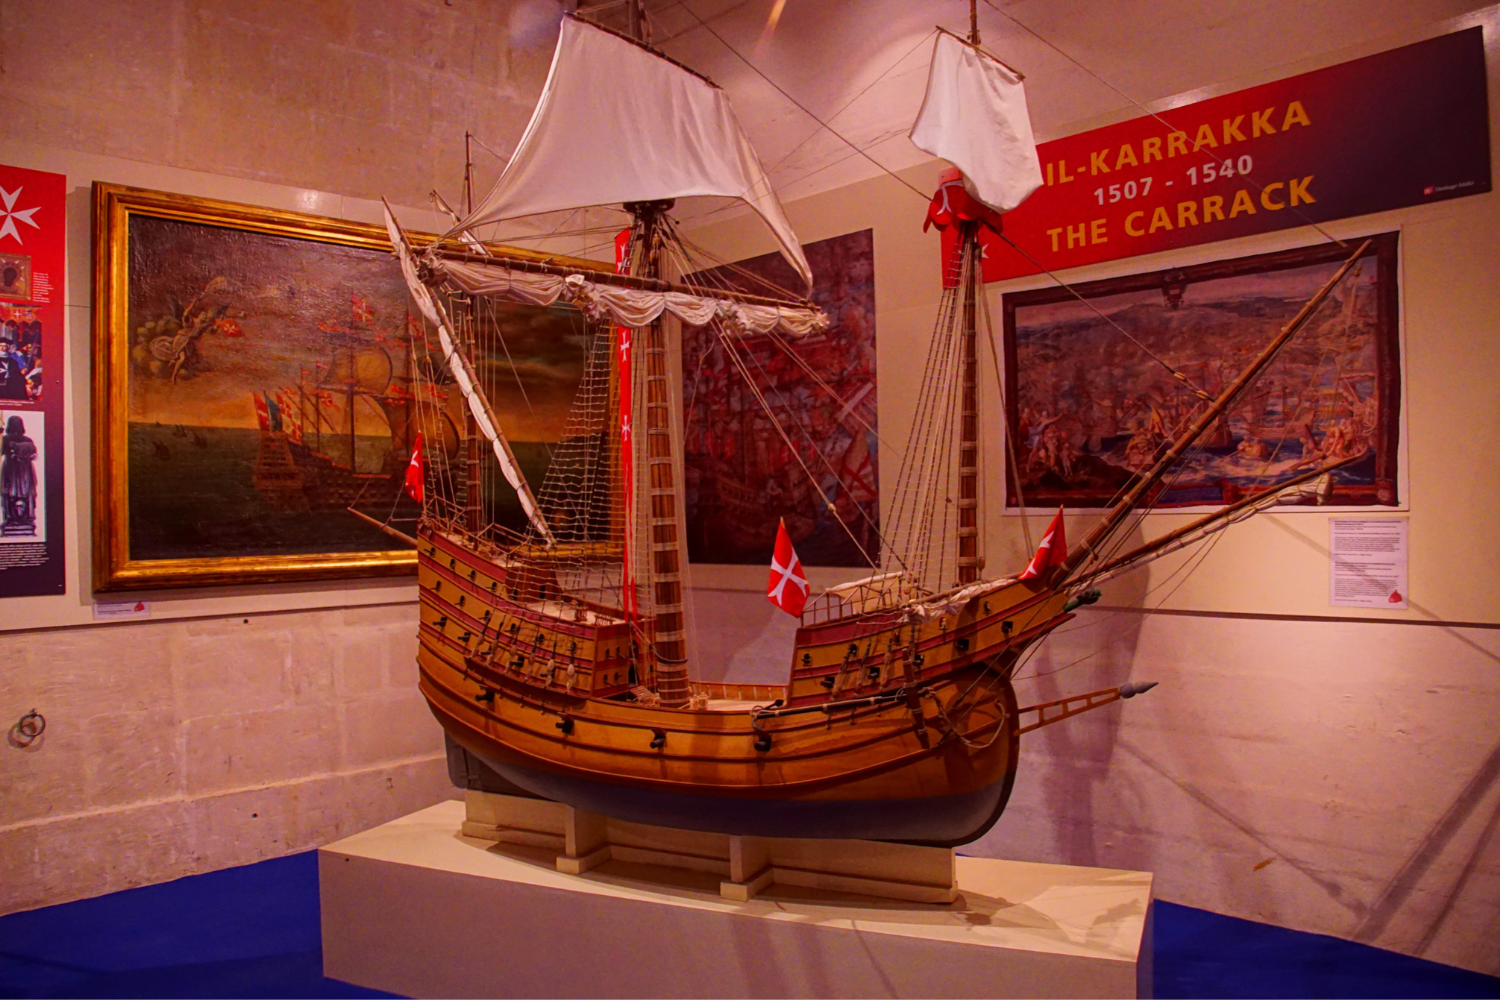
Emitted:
<point x="887" y="730"/>
<point x="943" y="820"/>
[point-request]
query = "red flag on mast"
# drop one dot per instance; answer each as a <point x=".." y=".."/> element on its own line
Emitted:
<point x="624" y="344"/>
<point x="415" y="480"/>
<point x="1052" y="552"/>
<point x="787" y="588"/>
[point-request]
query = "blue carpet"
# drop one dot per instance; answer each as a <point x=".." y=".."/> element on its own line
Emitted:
<point x="241" y="932"/>
<point x="253" y="932"/>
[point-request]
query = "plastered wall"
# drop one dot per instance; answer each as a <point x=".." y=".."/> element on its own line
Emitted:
<point x="1329" y="769"/>
<point x="237" y="723"/>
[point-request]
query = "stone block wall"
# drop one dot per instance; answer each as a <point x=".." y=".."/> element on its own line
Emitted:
<point x="176" y="747"/>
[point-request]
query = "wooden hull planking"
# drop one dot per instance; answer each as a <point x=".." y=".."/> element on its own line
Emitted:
<point x="531" y="693"/>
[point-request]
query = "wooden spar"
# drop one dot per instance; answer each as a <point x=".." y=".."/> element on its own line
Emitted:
<point x="1121" y="510"/>
<point x="398" y="535"/>
<point x="982" y="51"/>
<point x="645" y="283"/>
<point x="1210" y="518"/>
<point x="670" y="640"/>
<point x="968" y="442"/>
<point x="1066" y="707"/>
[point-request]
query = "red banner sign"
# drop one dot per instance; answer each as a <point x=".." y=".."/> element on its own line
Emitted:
<point x="1399" y="128"/>
<point x="33" y="249"/>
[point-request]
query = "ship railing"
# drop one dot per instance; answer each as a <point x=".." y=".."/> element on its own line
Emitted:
<point x="877" y="593"/>
<point x="716" y="691"/>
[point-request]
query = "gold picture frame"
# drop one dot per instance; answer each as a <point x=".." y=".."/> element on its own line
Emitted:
<point x="199" y="562"/>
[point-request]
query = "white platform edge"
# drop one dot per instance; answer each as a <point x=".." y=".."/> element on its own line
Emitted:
<point x="412" y="907"/>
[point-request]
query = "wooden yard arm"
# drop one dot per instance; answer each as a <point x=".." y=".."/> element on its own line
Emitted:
<point x="1066" y="708"/>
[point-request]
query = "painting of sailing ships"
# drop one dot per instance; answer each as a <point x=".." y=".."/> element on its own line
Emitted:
<point x="1092" y="409"/>
<point x="742" y="477"/>
<point x="271" y="386"/>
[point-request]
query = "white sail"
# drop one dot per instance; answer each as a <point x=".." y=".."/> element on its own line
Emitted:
<point x="632" y="307"/>
<point x="463" y="374"/>
<point x="617" y="123"/>
<point x="974" y="116"/>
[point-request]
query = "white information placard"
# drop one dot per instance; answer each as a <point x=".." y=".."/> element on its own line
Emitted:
<point x="1367" y="565"/>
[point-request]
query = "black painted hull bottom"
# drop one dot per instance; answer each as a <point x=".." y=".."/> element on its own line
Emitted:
<point x="945" y="820"/>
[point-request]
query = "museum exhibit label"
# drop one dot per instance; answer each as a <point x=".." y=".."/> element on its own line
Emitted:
<point x="33" y="254"/>
<point x="1404" y="127"/>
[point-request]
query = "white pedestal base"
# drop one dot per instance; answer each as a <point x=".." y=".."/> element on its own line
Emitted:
<point x="415" y="907"/>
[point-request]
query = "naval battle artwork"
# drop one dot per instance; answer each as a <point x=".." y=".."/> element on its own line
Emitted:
<point x="1094" y="401"/>
<point x="743" y="477"/>
<point x="269" y="386"/>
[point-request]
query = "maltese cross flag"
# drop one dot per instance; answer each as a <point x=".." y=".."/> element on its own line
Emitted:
<point x="414" y="477"/>
<point x="788" y="587"/>
<point x="1052" y="552"/>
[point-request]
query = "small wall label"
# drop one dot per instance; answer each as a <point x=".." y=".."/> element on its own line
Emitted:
<point x="1367" y="564"/>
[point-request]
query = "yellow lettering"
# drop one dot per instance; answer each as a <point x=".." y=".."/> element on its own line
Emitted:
<point x="1260" y="123"/>
<point x="1096" y="232"/>
<point x="1242" y="203"/>
<point x="1159" y="220"/>
<point x="1205" y="137"/>
<point x="1299" y="191"/>
<point x="1150" y="150"/>
<point x="1127" y="156"/>
<point x="1232" y="128"/>
<point x="1265" y="196"/>
<point x="1177" y="144"/>
<point x="1049" y="175"/>
<point x="1213" y="208"/>
<point x="1063" y="176"/>
<point x="1187" y="214"/>
<point x="1097" y="164"/>
<point x="1131" y="218"/>
<point x="1295" y="115"/>
<point x="1053" y="233"/>
<point x="1076" y="236"/>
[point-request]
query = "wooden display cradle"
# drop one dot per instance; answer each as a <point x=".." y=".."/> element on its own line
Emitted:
<point x="748" y="865"/>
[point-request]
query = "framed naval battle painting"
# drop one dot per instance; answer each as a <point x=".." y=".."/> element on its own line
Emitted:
<point x="1091" y="394"/>
<point x="743" y="477"/>
<point x="253" y="381"/>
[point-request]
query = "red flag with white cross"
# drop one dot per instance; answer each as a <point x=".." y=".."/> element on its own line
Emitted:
<point x="415" y="480"/>
<point x="788" y="587"/>
<point x="1052" y="552"/>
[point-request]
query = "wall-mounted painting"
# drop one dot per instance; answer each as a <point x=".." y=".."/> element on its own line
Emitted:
<point x="1092" y="397"/>
<point x="254" y="380"/>
<point x="742" y="477"/>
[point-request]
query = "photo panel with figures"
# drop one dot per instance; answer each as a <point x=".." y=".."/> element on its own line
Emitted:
<point x="23" y="517"/>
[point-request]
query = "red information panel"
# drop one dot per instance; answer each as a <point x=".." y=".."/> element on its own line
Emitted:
<point x="32" y="256"/>
<point x="1399" y="128"/>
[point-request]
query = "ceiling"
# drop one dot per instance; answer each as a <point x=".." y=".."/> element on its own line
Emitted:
<point x="861" y="65"/>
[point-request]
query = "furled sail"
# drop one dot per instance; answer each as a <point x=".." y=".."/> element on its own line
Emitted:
<point x="618" y="123"/>
<point x="463" y="373"/>
<point x="974" y="116"/>
<point x="631" y="307"/>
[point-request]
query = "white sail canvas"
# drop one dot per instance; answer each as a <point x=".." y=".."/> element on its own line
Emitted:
<point x="974" y="116"/>
<point x="616" y="123"/>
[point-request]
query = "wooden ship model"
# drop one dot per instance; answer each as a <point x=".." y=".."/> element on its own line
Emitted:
<point x="559" y="659"/>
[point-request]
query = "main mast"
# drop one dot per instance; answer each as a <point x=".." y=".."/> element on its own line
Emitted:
<point x="472" y="500"/>
<point x="663" y="543"/>
<point x="969" y="560"/>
